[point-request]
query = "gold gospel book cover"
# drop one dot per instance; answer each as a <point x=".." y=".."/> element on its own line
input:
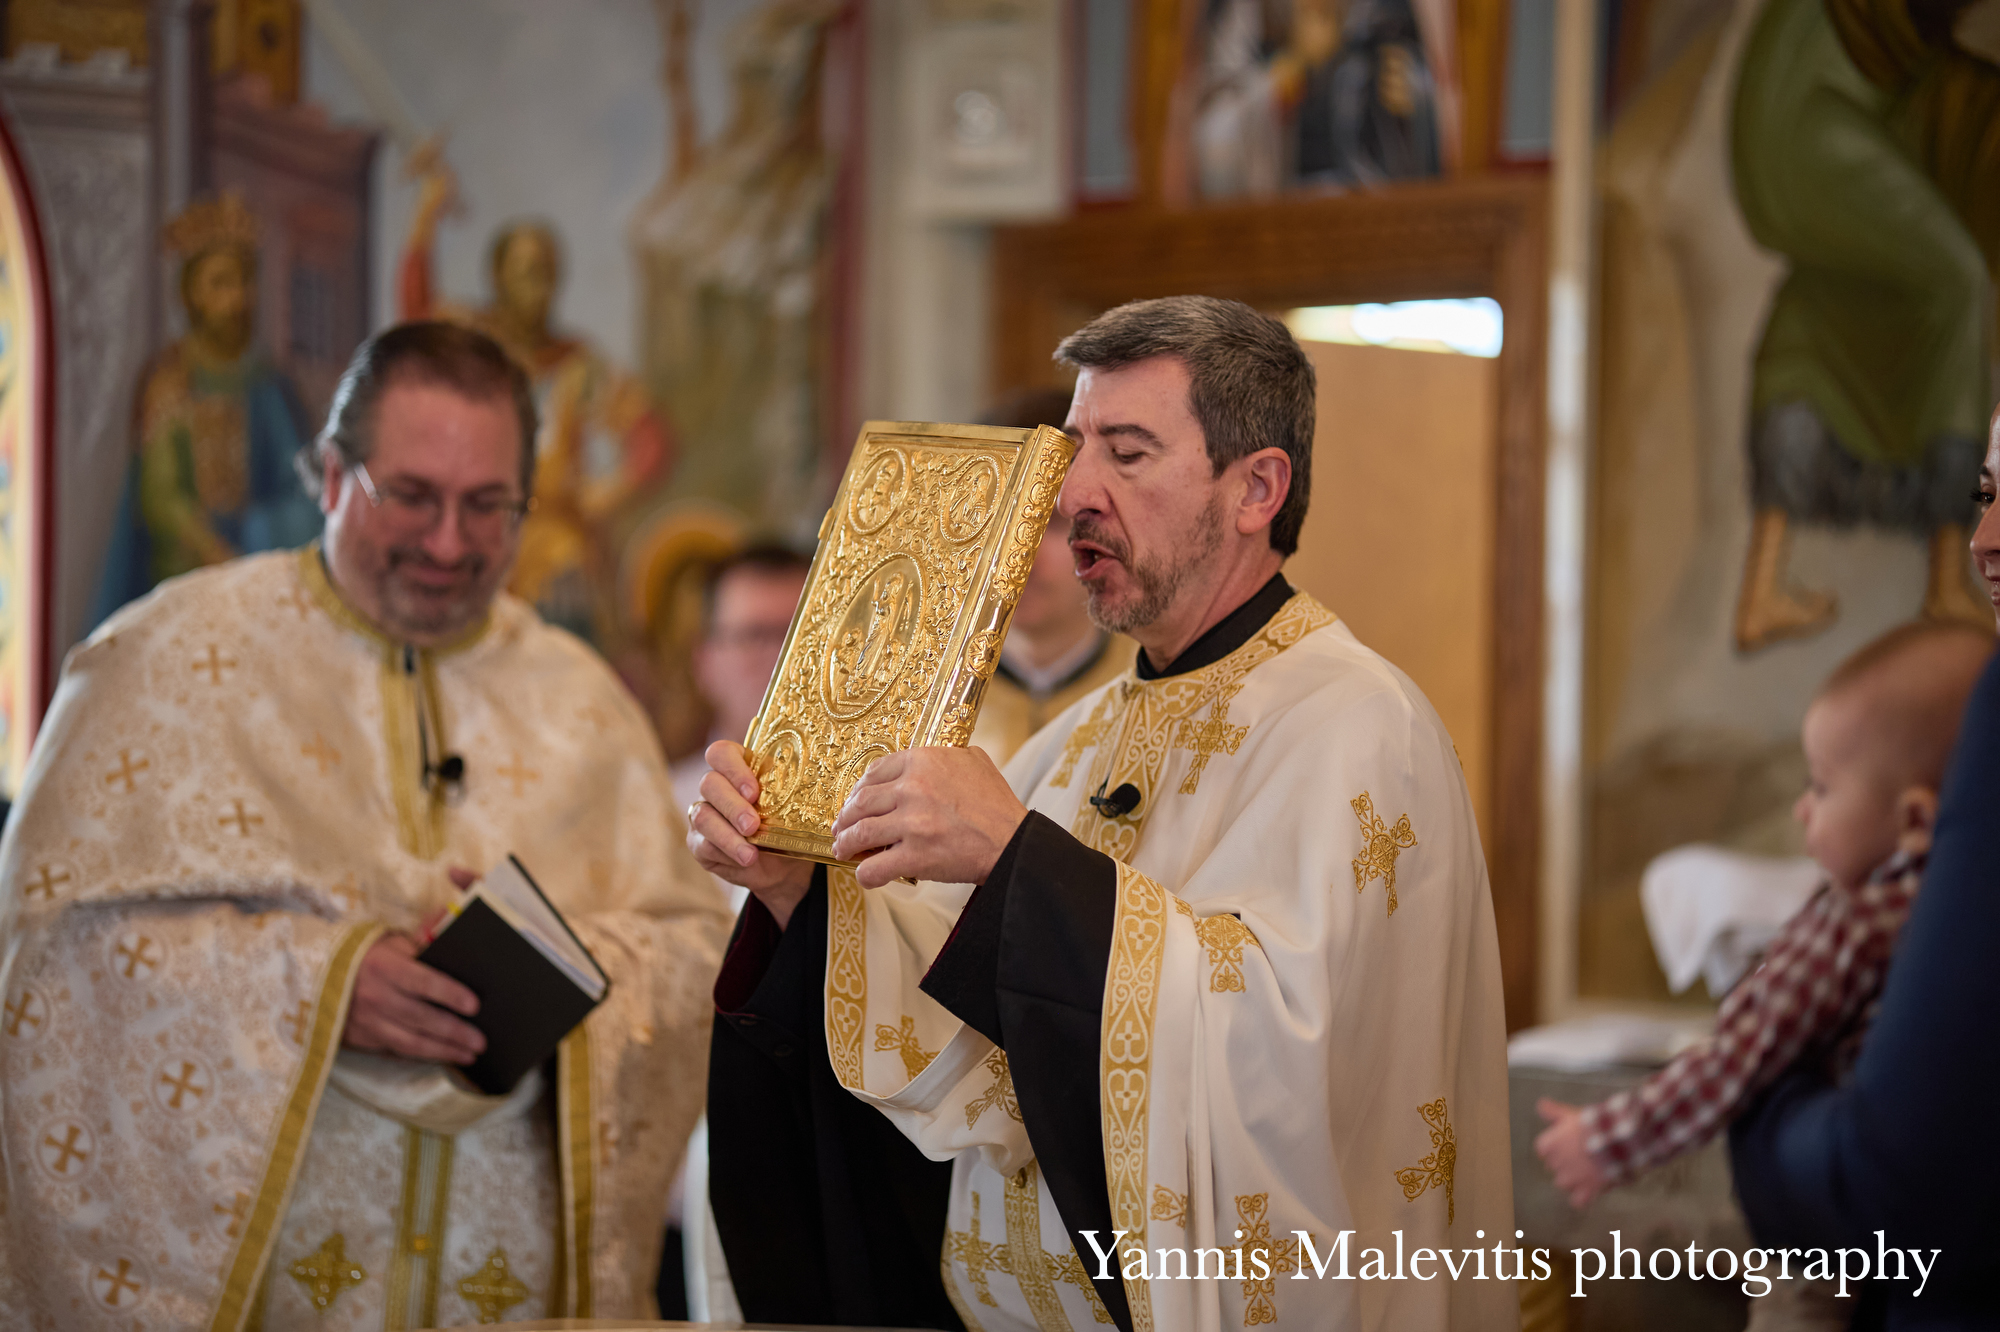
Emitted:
<point x="920" y="562"/>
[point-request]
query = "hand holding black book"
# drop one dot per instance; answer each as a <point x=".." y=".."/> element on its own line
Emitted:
<point x="534" y="979"/>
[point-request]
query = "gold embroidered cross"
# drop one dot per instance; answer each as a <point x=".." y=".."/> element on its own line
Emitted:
<point x="298" y="1020"/>
<point x="297" y="600"/>
<point x="235" y="1212"/>
<point x="67" y="1150"/>
<point x="137" y="954"/>
<point x="1001" y="1093"/>
<point x="117" y="1283"/>
<point x="977" y="1256"/>
<point x="128" y="771"/>
<point x="1068" y="1267"/>
<point x="241" y="817"/>
<point x="322" y="753"/>
<point x="1207" y="739"/>
<point x="1225" y="937"/>
<point x="1170" y="1206"/>
<point x="1439" y="1166"/>
<point x="215" y="664"/>
<point x="519" y="774"/>
<point x="493" y="1289"/>
<point x="187" y="1082"/>
<point x="1253" y="1233"/>
<point x="904" y="1042"/>
<point x="45" y="883"/>
<point x="1086" y="736"/>
<point x="1381" y="844"/>
<point x="326" y="1273"/>
<point x="22" y="1009"/>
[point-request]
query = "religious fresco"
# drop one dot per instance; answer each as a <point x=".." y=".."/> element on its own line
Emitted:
<point x="23" y="421"/>
<point x="603" y="451"/>
<point x="1318" y="94"/>
<point x="219" y="425"/>
<point x="1798" y="238"/>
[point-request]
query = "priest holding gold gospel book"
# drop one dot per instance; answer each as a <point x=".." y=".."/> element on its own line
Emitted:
<point x="1209" y="973"/>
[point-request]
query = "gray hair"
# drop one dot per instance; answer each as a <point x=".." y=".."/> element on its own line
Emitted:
<point x="1251" y="387"/>
<point x="424" y="352"/>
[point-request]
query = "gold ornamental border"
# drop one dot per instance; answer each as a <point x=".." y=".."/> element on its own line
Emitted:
<point x="971" y="527"/>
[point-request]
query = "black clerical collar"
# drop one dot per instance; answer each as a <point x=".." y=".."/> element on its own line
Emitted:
<point x="1232" y="631"/>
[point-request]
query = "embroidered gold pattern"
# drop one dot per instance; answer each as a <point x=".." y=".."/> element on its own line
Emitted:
<point x="1087" y="736"/>
<point x="904" y="1042"/>
<point x="1207" y="739"/>
<point x="1028" y="1261"/>
<point x="45" y="883"/>
<point x="977" y="1256"/>
<point x="1225" y="937"/>
<point x="1439" y="1166"/>
<point x="1382" y="844"/>
<point x="327" y="1272"/>
<point x="247" y="1263"/>
<point x="1170" y="1206"/>
<point x="1001" y="1093"/>
<point x="1142" y="725"/>
<point x="1068" y="1267"/>
<point x="493" y="1289"/>
<point x="846" y="975"/>
<point x="1281" y="1255"/>
<point x="1131" y="999"/>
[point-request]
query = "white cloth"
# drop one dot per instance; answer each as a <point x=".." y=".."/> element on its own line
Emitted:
<point x="1302" y="1023"/>
<point x="1712" y="911"/>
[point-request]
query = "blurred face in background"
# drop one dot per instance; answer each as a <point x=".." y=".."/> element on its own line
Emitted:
<point x="753" y="609"/>
<point x="1053" y="610"/>
<point x="219" y="290"/>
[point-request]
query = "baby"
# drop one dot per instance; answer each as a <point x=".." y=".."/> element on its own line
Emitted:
<point x="1876" y="738"/>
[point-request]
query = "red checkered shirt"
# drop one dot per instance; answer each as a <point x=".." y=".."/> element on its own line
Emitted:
<point x="1814" y="994"/>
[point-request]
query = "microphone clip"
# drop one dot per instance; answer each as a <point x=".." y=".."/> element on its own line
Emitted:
<point x="1119" y="803"/>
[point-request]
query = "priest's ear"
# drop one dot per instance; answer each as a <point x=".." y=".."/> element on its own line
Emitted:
<point x="1916" y="817"/>
<point x="1266" y="478"/>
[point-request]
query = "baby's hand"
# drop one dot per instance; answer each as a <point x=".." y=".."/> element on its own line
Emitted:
<point x="1561" y="1148"/>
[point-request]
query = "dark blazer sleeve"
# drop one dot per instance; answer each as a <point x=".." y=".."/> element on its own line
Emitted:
<point x="827" y="1214"/>
<point x="1900" y="1149"/>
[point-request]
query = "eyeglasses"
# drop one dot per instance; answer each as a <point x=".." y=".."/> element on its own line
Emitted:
<point x="419" y="508"/>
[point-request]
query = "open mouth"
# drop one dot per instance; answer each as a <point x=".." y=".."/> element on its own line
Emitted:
<point x="1089" y="556"/>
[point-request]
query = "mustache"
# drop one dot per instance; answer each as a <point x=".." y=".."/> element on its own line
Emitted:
<point x="1096" y="534"/>
<point x="473" y="564"/>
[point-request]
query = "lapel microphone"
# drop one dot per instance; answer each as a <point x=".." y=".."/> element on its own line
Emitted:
<point x="1119" y="803"/>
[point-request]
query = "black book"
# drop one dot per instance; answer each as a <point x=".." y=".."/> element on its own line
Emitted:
<point x="535" y="980"/>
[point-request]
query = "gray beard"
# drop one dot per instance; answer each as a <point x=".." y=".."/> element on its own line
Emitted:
<point x="1159" y="581"/>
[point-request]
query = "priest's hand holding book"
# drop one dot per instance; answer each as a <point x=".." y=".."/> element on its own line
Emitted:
<point x="403" y="1007"/>
<point x="937" y="813"/>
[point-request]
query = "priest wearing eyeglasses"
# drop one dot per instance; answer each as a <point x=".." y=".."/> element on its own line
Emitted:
<point x="227" y="1096"/>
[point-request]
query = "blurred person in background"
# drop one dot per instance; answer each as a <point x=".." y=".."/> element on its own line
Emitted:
<point x="1053" y="655"/>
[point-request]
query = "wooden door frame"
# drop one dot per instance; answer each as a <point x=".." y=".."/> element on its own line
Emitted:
<point x="1476" y="237"/>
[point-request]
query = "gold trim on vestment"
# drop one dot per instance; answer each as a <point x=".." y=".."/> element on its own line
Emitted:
<point x="406" y="701"/>
<point x="419" y="1253"/>
<point x="951" y="1291"/>
<point x="1131" y="1002"/>
<point x="576" y="1119"/>
<point x="245" y="1268"/>
<point x="1024" y="1244"/>
<point x="1140" y="724"/>
<point x="846" y="975"/>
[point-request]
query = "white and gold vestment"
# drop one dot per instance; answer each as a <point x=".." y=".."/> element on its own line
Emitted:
<point x="1302" y="1024"/>
<point x="226" y="808"/>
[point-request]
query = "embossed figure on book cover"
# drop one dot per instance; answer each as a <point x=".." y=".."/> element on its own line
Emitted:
<point x="921" y="560"/>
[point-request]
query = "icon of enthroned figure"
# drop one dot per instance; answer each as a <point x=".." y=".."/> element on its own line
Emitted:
<point x="219" y="425"/>
<point x="603" y="450"/>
